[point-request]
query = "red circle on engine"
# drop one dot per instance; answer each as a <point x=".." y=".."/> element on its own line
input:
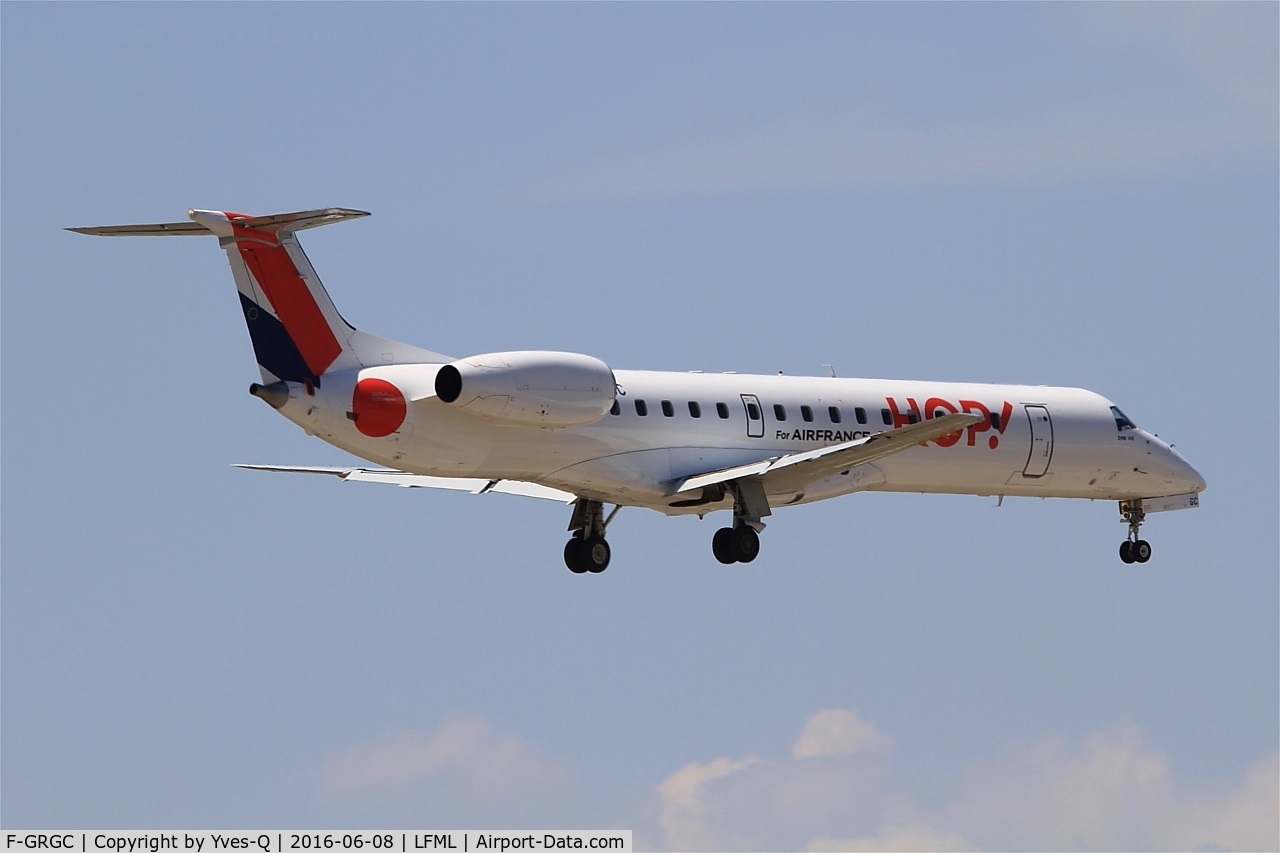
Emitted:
<point x="379" y="407"/>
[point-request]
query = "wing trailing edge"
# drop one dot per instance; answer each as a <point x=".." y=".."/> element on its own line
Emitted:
<point x="404" y="479"/>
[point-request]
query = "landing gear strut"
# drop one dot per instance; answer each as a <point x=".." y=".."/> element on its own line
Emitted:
<point x="1133" y="549"/>
<point x="741" y="543"/>
<point x="588" y="551"/>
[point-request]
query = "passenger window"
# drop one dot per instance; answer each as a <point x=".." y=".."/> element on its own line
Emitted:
<point x="912" y="417"/>
<point x="995" y="421"/>
<point x="753" y="411"/>
<point x="887" y="417"/>
<point x="779" y="412"/>
<point x="695" y="410"/>
<point x="615" y="409"/>
<point x="642" y="408"/>
<point x="861" y="414"/>
<point x="668" y="410"/>
<point x="806" y="412"/>
<point x="722" y="409"/>
<point x="834" y="414"/>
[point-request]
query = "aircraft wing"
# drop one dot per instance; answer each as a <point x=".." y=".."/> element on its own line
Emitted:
<point x="794" y="471"/>
<point x="421" y="481"/>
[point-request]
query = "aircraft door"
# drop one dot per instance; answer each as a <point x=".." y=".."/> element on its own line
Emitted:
<point x="1041" y="442"/>
<point x="755" y="416"/>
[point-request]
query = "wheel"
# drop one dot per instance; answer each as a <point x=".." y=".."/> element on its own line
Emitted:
<point x="722" y="547"/>
<point x="746" y="543"/>
<point x="1126" y="551"/>
<point x="595" y="554"/>
<point x="573" y="556"/>
<point x="1141" y="551"/>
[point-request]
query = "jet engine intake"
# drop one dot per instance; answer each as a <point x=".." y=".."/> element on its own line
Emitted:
<point x="551" y="390"/>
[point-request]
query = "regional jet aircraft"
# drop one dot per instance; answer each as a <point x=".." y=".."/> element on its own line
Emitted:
<point x="566" y="427"/>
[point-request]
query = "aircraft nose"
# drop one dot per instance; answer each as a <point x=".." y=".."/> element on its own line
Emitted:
<point x="1197" y="482"/>
<point x="1186" y="476"/>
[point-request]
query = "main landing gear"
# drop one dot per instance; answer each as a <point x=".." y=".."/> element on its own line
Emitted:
<point x="588" y="551"/>
<point x="741" y="543"/>
<point x="1133" y="549"/>
<point x="735" y="544"/>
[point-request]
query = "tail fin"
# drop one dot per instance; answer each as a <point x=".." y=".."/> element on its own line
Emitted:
<point x="297" y="333"/>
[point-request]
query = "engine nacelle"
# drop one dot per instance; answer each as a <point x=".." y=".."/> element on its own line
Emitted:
<point x="551" y="390"/>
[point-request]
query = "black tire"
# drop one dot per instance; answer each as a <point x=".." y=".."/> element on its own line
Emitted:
<point x="1141" y="551"/>
<point x="746" y="544"/>
<point x="595" y="554"/>
<point x="1126" y="551"/>
<point x="722" y="546"/>
<point x="573" y="557"/>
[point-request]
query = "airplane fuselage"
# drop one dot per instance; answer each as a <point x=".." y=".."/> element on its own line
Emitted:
<point x="1038" y="441"/>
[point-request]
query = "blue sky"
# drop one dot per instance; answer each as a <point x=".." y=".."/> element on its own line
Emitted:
<point x="1041" y="193"/>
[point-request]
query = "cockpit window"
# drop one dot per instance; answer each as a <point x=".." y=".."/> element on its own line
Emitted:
<point x="1122" y="422"/>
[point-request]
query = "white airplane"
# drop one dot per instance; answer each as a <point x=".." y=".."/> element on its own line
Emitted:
<point x="566" y="427"/>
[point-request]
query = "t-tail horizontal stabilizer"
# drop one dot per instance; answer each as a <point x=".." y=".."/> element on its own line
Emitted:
<point x="205" y="221"/>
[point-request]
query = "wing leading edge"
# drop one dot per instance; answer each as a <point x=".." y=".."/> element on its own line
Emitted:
<point x="794" y="471"/>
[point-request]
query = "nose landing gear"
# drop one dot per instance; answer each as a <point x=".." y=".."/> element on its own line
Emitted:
<point x="1133" y="549"/>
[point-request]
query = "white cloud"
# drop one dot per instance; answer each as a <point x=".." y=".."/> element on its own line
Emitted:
<point x="1114" y="792"/>
<point x="1243" y="818"/>
<point x="466" y="749"/>
<point x="752" y="803"/>
<point x="909" y="837"/>
<point x="838" y="732"/>
<point x="684" y="810"/>
<point x="1111" y="791"/>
